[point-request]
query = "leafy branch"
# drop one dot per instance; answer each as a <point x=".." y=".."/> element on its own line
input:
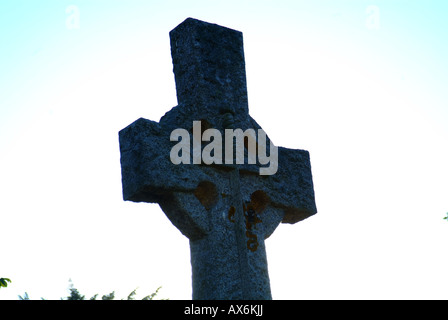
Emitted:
<point x="76" y="295"/>
<point x="4" y="282"/>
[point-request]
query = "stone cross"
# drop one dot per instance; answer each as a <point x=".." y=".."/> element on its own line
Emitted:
<point x="225" y="210"/>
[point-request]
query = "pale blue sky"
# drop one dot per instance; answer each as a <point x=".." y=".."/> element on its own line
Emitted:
<point x="368" y="101"/>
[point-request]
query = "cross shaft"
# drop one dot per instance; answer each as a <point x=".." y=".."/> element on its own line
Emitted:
<point x="226" y="211"/>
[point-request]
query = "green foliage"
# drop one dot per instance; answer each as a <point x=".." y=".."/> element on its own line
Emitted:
<point x="4" y="282"/>
<point x="25" y="297"/>
<point x="446" y="218"/>
<point x="109" y="296"/>
<point x="152" y="295"/>
<point x="76" y="295"/>
<point x="131" y="295"/>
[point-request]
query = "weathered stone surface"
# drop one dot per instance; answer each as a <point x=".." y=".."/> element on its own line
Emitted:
<point x="227" y="211"/>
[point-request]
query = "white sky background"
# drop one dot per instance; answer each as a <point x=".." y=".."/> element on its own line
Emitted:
<point x="369" y="102"/>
